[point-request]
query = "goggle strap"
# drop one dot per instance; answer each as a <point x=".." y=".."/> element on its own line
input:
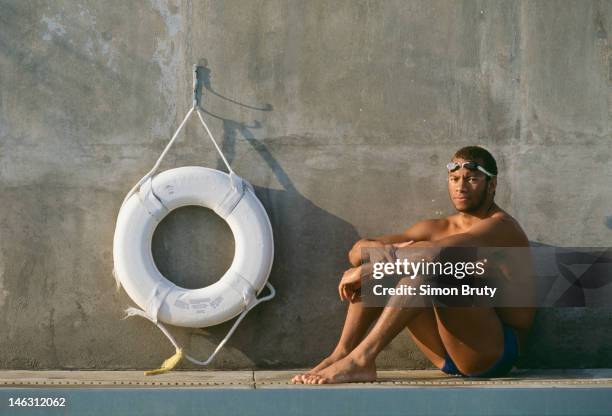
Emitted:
<point x="478" y="167"/>
<point x="483" y="170"/>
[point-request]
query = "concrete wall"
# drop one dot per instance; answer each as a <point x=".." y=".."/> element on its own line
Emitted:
<point x="342" y="114"/>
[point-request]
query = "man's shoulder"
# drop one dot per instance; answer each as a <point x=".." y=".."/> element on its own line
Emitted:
<point x="424" y="229"/>
<point x="506" y="225"/>
<point x="503" y="218"/>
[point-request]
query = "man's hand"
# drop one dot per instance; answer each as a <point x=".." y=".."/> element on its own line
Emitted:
<point x="350" y="284"/>
<point x="348" y="289"/>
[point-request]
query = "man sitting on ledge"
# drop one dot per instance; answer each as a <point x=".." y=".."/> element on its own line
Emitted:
<point x="464" y="341"/>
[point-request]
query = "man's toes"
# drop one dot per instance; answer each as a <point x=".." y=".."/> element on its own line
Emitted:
<point x="308" y="379"/>
<point x="301" y="378"/>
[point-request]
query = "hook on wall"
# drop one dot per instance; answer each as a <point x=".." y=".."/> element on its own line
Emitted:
<point x="196" y="101"/>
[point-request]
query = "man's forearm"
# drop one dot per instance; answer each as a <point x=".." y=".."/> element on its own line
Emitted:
<point x="391" y="238"/>
<point x="356" y="256"/>
<point x="360" y="253"/>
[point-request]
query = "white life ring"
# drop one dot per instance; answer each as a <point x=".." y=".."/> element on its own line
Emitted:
<point x="230" y="197"/>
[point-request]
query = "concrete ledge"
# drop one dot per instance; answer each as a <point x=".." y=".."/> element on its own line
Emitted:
<point x="306" y="401"/>
<point x="281" y="379"/>
<point x="269" y="393"/>
<point x="126" y="379"/>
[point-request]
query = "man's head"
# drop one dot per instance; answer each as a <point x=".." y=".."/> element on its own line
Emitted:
<point x="471" y="186"/>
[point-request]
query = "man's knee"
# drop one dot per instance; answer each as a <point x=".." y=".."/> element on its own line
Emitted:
<point x="355" y="255"/>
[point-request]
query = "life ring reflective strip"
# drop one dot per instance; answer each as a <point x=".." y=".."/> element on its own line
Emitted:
<point x="229" y="196"/>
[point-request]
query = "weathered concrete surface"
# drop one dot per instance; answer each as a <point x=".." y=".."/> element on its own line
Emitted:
<point x="342" y="115"/>
<point x="282" y="379"/>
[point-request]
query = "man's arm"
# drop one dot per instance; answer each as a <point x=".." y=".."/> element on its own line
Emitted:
<point x="490" y="232"/>
<point x="421" y="231"/>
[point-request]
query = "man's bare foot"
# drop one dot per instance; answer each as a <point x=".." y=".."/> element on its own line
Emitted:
<point x="350" y="369"/>
<point x="332" y="358"/>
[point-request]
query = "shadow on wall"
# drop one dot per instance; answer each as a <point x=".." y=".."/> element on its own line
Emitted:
<point x="311" y="248"/>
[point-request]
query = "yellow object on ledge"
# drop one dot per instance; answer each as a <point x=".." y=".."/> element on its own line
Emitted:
<point x="168" y="365"/>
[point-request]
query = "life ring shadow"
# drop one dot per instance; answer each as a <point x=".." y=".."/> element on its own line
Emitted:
<point x="311" y="247"/>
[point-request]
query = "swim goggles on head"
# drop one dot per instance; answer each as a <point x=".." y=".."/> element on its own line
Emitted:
<point x="453" y="166"/>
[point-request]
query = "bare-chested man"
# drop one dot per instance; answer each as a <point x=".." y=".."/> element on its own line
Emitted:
<point x="476" y="341"/>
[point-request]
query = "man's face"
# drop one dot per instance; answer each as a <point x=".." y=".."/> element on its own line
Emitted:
<point x="467" y="189"/>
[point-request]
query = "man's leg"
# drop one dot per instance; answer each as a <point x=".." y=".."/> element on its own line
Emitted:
<point x="358" y="321"/>
<point x="423" y="330"/>
<point x="472" y="337"/>
<point x="433" y="324"/>
<point x="359" y="364"/>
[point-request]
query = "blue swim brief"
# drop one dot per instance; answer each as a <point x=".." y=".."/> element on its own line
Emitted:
<point x="500" y="368"/>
